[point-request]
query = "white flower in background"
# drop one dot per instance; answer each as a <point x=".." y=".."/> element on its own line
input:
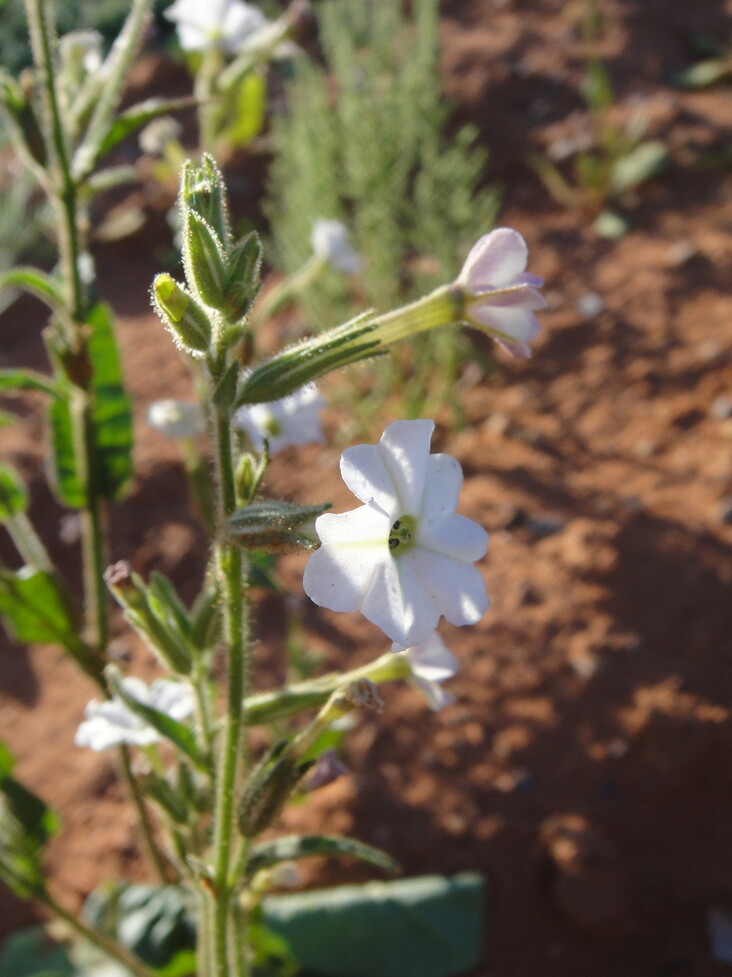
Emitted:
<point x="501" y="296"/>
<point x="228" y="25"/>
<point x="431" y="663"/>
<point x="111" y="723"/>
<point x="331" y="241"/>
<point x="292" y="420"/>
<point x="158" y="134"/>
<point x="176" y="418"/>
<point x="404" y="557"/>
<point x="82" y="49"/>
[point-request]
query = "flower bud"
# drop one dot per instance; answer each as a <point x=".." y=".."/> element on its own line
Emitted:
<point x="242" y="276"/>
<point x="204" y="261"/>
<point x="268" y="788"/>
<point x="203" y="192"/>
<point x="181" y="314"/>
<point x="275" y="525"/>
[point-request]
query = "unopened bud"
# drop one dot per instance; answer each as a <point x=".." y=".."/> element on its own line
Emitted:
<point x="275" y="525"/>
<point x="204" y="261"/>
<point x="182" y="315"/>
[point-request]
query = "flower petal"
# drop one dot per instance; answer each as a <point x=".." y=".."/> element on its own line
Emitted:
<point x="442" y="489"/>
<point x="355" y="545"/>
<point x="458" y="588"/>
<point x="432" y="659"/>
<point x="405" y="450"/>
<point x="495" y="260"/>
<point x="524" y="296"/>
<point x="518" y="324"/>
<point x="398" y="603"/>
<point x="437" y="697"/>
<point x="456" y="537"/>
<point x="364" y="472"/>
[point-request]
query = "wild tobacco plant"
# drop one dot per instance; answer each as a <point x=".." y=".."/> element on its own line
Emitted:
<point x="404" y="558"/>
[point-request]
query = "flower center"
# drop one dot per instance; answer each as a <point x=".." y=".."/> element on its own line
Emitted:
<point x="402" y="534"/>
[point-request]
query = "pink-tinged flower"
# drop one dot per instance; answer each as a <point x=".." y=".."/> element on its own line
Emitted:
<point x="431" y="662"/>
<point x="500" y="295"/>
<point x="404" y="558"/>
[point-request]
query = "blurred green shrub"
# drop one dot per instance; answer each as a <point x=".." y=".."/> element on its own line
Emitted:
<point x="366" y="140"/>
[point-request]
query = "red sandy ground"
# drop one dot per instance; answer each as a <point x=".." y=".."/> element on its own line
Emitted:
<point x="586" y="767"/>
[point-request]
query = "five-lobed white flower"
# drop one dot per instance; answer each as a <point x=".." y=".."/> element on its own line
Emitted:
<point x="293" y="420"/>
<point x="501" y="295"/>
<point x="227" y="25"/>
<point x="431" y="663"/>
<point x="330" y="240"/>
<point x="176" y="418"/>
<point x="111" y="723"/>
<point x="404" y="558"/>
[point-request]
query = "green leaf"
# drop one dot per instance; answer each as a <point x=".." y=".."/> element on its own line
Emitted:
<point x="703" y="74"/>
<point x="249" y="109"/>
<point x="36" y="282"/>
<point x="152" y="922"/>
<point x="639" y="165"/>
<point x="139" y="115"/>
<point x="424" y="927"/>
<point x="112" y="409"/>
<point x="178" y="733"/>
<point x="37" y="608"/>
<point x="12" y="380"/>
<point x="13" y="494"/>
<point x="64" y="477"/>
<point x="293" y="847"/>
<point x="32" y="953"/>
<point x="26" y="824"/>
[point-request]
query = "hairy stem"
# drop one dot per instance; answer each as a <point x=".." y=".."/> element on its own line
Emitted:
<point x="230" y="568"/>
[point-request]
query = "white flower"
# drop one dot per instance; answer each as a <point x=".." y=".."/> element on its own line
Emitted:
<point x="431" y="663"/>
<point x="111" y="722"/>
<point x="229" y="25"/>
<point x="330" y="240"/>
<point x="404" y="557"/>
<point x="291" y="420"/>
<point x="158" y="134"/>
<point x="176" y="418"/>
<point x="501" y="296"/>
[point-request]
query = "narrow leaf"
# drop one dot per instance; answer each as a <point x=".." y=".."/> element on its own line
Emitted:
<point x="112" y="409"/>
<point x="64" y="475"/>
<point x="136" y="116"/>
<point x="293" y="847"/>
<point x="36" y="282"/>
<point x="12" y="380"/>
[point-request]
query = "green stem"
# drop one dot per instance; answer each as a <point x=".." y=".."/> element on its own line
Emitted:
<point x="102" y="942"/>
<point x="65" y="190"/>
<point x="148" y="836"/>
<point x="230" y="568"/>
<point x="28" y="542"/>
